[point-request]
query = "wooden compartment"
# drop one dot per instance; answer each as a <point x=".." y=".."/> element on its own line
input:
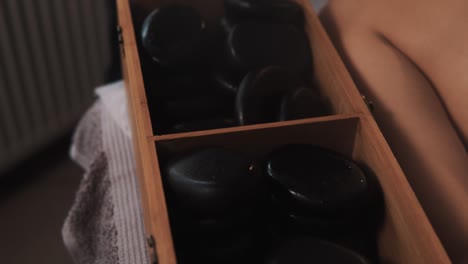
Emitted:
<point x="334" y="132"/>
<point x="406" y="237"/>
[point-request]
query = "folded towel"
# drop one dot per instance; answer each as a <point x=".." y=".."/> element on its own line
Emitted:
<point x="105" y="223"/>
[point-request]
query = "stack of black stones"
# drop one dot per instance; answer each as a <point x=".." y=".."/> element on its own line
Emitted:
<point x="253" y="66"/>
<point x="298" y="204"/>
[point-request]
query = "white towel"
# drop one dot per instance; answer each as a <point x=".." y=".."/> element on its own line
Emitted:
<point x="105" y="223"/>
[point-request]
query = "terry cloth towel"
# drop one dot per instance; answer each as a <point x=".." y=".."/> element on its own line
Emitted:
<point x="105" y="223"/>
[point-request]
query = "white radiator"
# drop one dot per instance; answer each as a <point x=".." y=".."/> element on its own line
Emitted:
<point x="52" y="54"/>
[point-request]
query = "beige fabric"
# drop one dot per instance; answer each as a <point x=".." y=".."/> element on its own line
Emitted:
<point x="411" y="68"/>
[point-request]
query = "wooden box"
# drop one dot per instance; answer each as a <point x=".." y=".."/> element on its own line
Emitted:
<point x="406" y="236"/>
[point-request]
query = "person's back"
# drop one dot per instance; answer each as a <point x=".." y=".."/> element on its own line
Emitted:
<point x="411" y="59"/>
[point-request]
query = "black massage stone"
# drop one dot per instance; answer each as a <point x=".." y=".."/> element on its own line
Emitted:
<point x="226" y="25"/>
<point x="306" y="250"/>
<point x="301" y="103"/>
<point x="167" y="85"/>
<point x="193" y="108"/>
<point x="259" y="96"/>
<point x="227" y="81"/>
<point x="224" y="77"/>
<point x="318" y="181"/>
<point x="294" y="219"/>
<point x="279" y="11"/>
<point x="228" y="223"/>
<point x="234" y="249"/>
<point x="186" y="223"/>
<point x="172" y="35"/>
<point x="254" y="45"/>
<point x="229" y="248"/>
<point x="214" y="181"/>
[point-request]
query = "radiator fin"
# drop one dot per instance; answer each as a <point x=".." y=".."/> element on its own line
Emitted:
<point x="10" y="92"/>
<point x="56" y="71"/>
<point x="53" y="54"/>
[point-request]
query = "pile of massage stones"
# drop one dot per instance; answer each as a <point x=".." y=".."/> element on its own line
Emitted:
<point x="252" y="66"/>
<point x="298" y="204"/>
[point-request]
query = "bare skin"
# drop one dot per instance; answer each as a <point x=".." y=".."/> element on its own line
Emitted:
<point x="411" y="59"/>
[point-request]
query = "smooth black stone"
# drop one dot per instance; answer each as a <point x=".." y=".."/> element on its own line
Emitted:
<point x="297" y="220"/>
<point x="214" y="181"/>
<point x="259" y="96"/>
<point x="169" y="113"/>
<point x="227" y="81"/>
<point x="280" y="11"/>
<point x="171" y="85"/>
<point x="310" y="250"/>
<point x="365" y="242"/>
<point x="353" y="235"/>
<point x="301" y="103"/>
<point x="224" y="77"/>
<point x="226" y="25"/>
<point x="240" y="247"/>
<point x="197" y="108"/>
<point x="186" y="223"/>
<point x="172" y="35"/>
<point x="203" y="125"/>
<point x="253" y="45"/>
<point x="360" y="239"/>
<point x="320" y="181"/>
<point x="224" y="224"/>
<point x="235" y="220"/>
<point x="139" y="14"/>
